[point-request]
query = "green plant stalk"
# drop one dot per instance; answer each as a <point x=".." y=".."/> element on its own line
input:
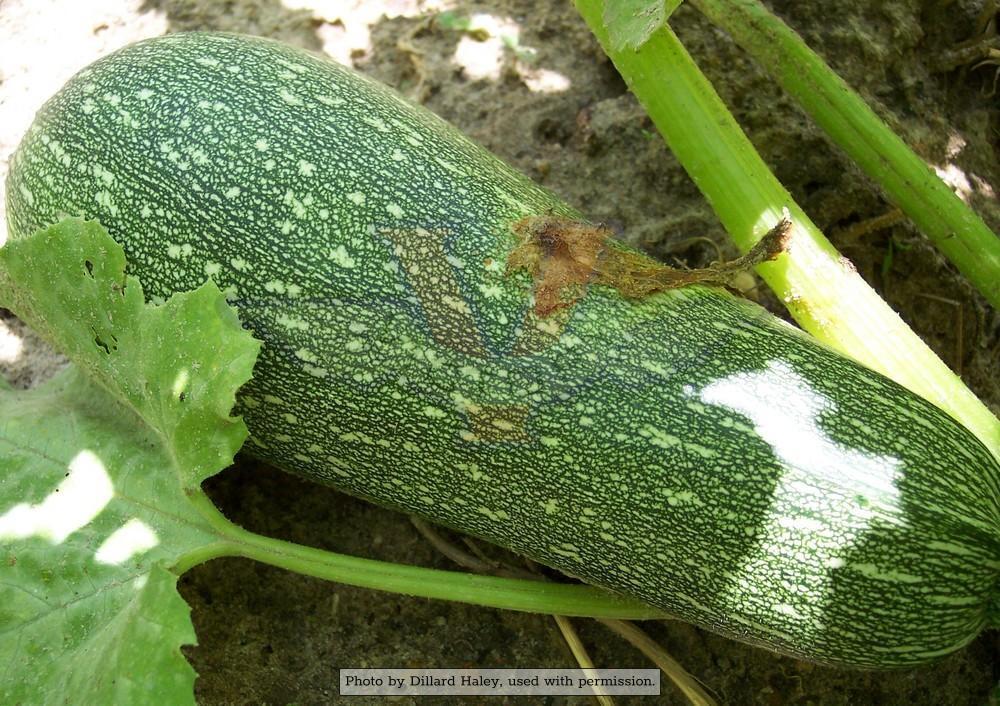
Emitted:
<point x="908" y="182"/>
<point x="494" y="592"/>
<point x="819" y="287"/>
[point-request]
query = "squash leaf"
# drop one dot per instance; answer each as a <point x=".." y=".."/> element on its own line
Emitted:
<point x="98" y="469"/>
<point x="630" y="23"/>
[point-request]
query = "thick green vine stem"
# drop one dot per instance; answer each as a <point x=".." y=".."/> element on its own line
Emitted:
<point x="817" y="285"/>
<point x="906" y="180"/>
<point x="494" y="592"/>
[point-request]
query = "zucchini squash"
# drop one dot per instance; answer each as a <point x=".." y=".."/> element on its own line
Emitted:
<point x="686" y="448"/>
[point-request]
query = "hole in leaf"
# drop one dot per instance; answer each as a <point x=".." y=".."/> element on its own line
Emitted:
<point x="90" y="267"/>
<point x="107" y="346"/>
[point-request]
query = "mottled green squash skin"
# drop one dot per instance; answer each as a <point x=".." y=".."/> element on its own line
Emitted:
<point x="689" y="449"/>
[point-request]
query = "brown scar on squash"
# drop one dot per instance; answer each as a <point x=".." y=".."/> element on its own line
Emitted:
<point x="564" y="256"/>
